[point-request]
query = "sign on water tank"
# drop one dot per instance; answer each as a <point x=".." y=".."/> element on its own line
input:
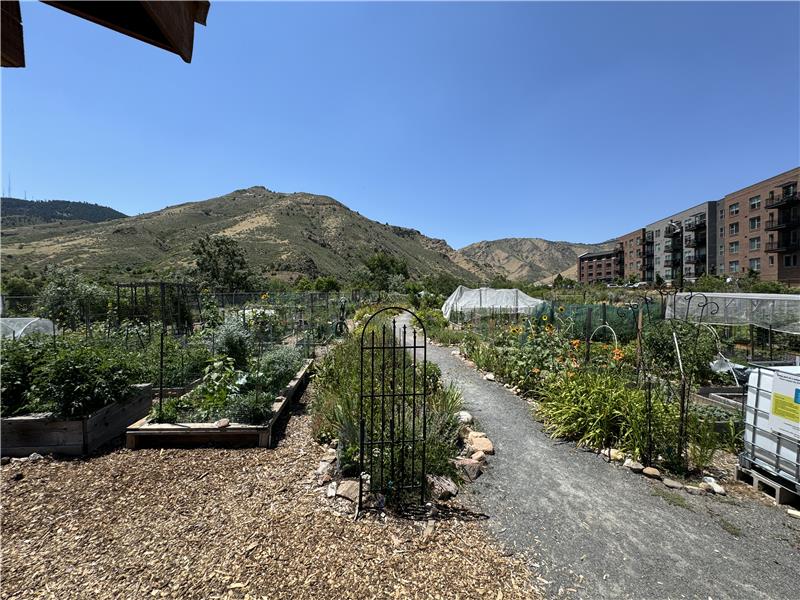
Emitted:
<point x="784" y="418"/>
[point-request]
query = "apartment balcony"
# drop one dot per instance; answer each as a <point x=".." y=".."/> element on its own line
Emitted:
<point x="672" y="231"/>
<point x="648" y="237"/>
<point x="782" y="222"/>
<point x="697" y="259"/>
<point x="674" y="262"/>
<point x="781" y="246"/>
<point x="695" y="242"/>
<point x="787" y="200"/>
<point x="696" y="224"/>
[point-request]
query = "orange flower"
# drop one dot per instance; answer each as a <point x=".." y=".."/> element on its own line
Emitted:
<point x="617" y="354"/>
<point x="536" y="370"/>
<point x="575" y="344"/>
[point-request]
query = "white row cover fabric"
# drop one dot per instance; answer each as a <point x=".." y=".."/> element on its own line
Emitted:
<point x="781" y="312"/>
<point x="484" y="301"/>
<point x="17" y="327"/>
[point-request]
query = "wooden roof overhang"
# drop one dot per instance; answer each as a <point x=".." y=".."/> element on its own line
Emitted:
<point x="167" y="25"/>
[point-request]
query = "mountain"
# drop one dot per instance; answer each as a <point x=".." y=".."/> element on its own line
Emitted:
<point x="284" y="235"/>
<point x="528" y="259"/>
<point x="17" y="212"/>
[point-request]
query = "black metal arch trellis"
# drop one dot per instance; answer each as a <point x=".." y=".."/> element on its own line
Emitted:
<point x="392" y="408"/>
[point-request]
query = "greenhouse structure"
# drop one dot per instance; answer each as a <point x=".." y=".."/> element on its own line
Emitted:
<point x="777" y="312"/>
<point x="468" y="302"/>
<point x="17" y="327"/>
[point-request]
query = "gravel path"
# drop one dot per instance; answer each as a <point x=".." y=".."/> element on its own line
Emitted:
<point x="604" y="532"/>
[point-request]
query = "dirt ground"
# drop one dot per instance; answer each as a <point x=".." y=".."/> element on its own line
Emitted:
<point x="213" y="523"/>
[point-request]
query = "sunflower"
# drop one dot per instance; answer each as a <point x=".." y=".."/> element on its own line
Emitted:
<point x="561" y="308"/>
<point x="544" y="318"/>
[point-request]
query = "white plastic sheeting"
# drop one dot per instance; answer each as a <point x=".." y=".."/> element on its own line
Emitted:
<point x="781" y="312"/>
<point x="484" y="301"/>
<point x="16" y="327"/>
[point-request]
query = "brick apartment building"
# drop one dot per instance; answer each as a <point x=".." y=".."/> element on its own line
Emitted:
<point x="756" y="228"/>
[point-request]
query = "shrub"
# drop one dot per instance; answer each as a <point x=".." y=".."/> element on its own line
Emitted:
<point x="78" y="380"/>
<point x="231" y="339"/>
<point x="18" y="359"/>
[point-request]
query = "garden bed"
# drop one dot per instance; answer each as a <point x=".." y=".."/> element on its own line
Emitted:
<point x="148" y="434"/>
<point x="47" y="434"/>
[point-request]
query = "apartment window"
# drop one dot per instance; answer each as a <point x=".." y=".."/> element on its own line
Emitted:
<point x="755" y="223"/>
<point x="755" y="202"/>
<point x="755" y="264"/>
<point x="733" y="266"/>
<point x="721" y="213"/>
<point x="771" y="260"/>
<point x="658" y="260"/>
<point x="755" y="243"/>
<point x="733" y="229"/>
<point x="658" y="233"/>
<point x="658" y="248"/>
<point x="788" y="190"/>
<point x="790" y="260"/>
<point x="734" y="209"/>
<point x="733" y="248"/>
<point x="721" y="232"/>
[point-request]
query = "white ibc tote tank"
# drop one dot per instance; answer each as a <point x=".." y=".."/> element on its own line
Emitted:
<point x="772" y="423"/>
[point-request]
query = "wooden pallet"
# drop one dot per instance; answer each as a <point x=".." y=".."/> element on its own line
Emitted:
<point x="780" y="493"/>
<point x="146" y="434"/>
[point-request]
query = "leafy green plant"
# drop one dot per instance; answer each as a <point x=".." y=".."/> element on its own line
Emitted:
<point x="232" y="339"/>
<point x="77" y="380"/>
<point x="18" y="360"/>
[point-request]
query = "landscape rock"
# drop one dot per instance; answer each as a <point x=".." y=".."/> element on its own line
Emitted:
<point x="718" y="489"/>
<point x="634" y="466"/>
<point x="481" y="444"/>
<point x="651" y="472"/>
<point x="464" y="417"/>
<point x="222" y="423"/>
<point x="441" y="488"/>
<point x="34" y="456"/>
<point x="330" y="492"/>
<point x="706" y="487"/>
<point x="455" y="352"/>
<point x="468" y="468"/>
<point x="709" y="480"/>
<point x="325" y="466"/>
<point x="614" y="454"/>
<point x="480" y="456"/>
<point x="793" y="513"/>
<point x="473" y="435"/>
<point x="464" y="431"/>
<point x="671" y="483"/>
<point x="348" y="489"/>
<point x="489" y="377"/>
<point x="695" y="491"/>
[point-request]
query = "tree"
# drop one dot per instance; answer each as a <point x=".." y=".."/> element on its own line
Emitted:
<point x="326" y="284"/>
<point x="220" y="262"/>
<point x="67" y="298"/>
<point x="382" y="272"/>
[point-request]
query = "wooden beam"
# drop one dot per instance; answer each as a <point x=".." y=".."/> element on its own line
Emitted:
<point x="166" y="25"/>
<point x="13" y="48"/>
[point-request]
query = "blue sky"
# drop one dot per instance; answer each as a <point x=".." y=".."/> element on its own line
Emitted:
<point x="469" y="121"/>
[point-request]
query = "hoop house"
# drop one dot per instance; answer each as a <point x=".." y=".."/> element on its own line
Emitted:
<point x="18" y="327"/>
<point x="779" y="312"/>
<point x="488" y="301"/>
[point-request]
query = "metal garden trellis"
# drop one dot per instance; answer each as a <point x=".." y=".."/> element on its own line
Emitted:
<point x="392" y="416"/>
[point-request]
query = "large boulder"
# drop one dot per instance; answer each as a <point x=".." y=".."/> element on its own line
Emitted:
<point x="469" y="469"/>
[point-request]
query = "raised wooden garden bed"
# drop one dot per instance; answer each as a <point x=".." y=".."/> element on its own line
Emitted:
<point x="47" y="434"/>
<point x="147" y="434"/>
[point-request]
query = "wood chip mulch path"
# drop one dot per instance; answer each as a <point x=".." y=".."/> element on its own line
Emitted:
<point x="211" y="523"/>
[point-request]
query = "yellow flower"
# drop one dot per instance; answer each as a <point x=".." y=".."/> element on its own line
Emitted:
<point x="544" y="317"/>
<point x="575" y="343"/>
<point x="561" y="309"/>
<point x="536" y="370"/>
